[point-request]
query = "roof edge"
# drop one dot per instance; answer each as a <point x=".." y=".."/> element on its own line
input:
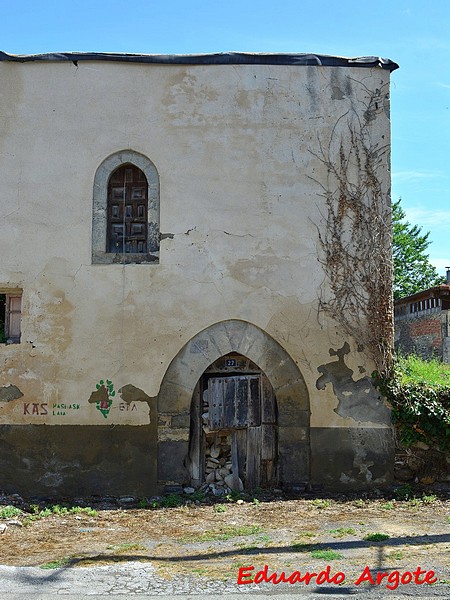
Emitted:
<point x="220" y="58"/>
<point x="437" y="291"/>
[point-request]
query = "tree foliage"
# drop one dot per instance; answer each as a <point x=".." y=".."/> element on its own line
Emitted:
<point x="413" y="271"/>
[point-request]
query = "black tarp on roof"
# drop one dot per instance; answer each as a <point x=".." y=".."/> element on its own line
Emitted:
<point x="221" y="58"/>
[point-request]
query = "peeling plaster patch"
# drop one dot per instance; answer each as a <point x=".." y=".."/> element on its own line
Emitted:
<point x="337" y="93"/>
<point x="130" y="393"/>
<point x="164" y="236"/>
<point x="9" y="392"/>
<point x="29" y="375"/>
<point x="358" y="400"/>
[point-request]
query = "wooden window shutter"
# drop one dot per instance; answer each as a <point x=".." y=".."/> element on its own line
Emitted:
<point x="127" y="211"/>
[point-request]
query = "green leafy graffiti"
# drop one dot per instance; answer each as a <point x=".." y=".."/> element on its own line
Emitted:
<point x="105" y="401"/>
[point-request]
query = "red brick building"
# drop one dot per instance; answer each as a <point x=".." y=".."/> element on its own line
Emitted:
<point x="422" y="323"/>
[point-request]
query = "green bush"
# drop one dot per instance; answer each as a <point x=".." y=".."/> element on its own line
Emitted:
<point x="419" y="393"/>
<point x="171" y="501"/>
<point x="8" y="512"/>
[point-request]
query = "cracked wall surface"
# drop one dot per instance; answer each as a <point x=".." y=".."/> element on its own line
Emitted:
<point x="235" y="149"/>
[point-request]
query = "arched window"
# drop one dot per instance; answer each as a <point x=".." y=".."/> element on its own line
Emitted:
<point x="125" y="220"/>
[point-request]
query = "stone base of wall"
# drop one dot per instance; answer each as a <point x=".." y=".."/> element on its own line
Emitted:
<point x="352" y="458"/>
<point x="57" y="461"/>
<point x="42" y="460"/>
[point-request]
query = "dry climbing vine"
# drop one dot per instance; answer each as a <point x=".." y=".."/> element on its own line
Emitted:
<point x="356" y="241"/>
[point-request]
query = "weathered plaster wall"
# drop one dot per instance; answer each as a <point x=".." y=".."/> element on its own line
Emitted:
<point x="236" y="149"/>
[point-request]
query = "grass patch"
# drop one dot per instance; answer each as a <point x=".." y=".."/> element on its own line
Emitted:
<point x="416" y="370"/>
<point x="83" y="510"/>
<point x="55" y="564"/>
<point x="342" y="532"/>
<point x="197" y="496"/>
<point x="397" y="554"/>
<point x="376" y="537"/>
<point x="388" y="505"/>
<point x="171" y="501"/>
<point x="8" y="512"/>
<point x="126" y="548"/>
<point x="200" y="571"/>
<point x="58" y="509"/>
<point x="223" y="534"/>
<point x="307" y="534"/>
<point x="262" y="540"/>
<point x="429" y="499"/>
<point x="359" y="503"/>
<point x="404" y="492"/>
<point x="419" y="392"/>
<point x="320" y="503"/>
<point x="326" y="554"/>
<point x="234" y="496"/>
<point x="220" y="508"/>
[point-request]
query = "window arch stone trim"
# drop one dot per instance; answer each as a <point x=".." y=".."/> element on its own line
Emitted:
<point x="100" y="209"/>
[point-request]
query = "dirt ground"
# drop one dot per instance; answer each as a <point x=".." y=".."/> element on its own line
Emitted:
<point x="214" y="540"/>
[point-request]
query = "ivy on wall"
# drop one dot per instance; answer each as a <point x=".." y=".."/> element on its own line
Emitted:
<point x="420" y="411"/>
<point x="356" y="237"/>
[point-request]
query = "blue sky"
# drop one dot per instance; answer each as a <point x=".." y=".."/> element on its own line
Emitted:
<point x="413" y="33"/>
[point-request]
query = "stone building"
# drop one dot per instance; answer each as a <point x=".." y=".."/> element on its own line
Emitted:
<point x="165" y="271"/>
<point x="422" y="323"/>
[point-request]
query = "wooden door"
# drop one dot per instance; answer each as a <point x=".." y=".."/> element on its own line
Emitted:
<point x="245" y="405"/>
<point x="127" y="211"/>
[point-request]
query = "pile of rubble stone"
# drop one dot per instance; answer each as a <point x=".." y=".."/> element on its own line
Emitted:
<point x="220" y="478"/>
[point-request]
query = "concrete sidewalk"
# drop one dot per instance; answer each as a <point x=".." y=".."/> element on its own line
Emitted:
<point x="139" y="580"/>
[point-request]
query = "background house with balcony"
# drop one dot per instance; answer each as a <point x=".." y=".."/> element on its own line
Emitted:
<point x="422" y="323"/>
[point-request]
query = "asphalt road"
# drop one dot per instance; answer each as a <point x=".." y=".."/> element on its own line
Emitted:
<point x="139" y="581"/>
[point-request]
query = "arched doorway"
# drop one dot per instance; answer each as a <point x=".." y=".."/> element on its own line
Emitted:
<point x="233" y="436"/>
<point x="174" y="458"/>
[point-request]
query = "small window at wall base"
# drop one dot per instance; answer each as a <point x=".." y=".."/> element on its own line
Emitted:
<point x="10" y="318"/>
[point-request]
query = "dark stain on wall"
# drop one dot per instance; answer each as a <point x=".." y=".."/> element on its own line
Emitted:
<point x="100" y="395"/>
<point x="78" y="460"/>
<point x="365" y="457"/>
<point x="131" y="393"/>
<point x="359" y="399"/>
<point x="9" y="392"/>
